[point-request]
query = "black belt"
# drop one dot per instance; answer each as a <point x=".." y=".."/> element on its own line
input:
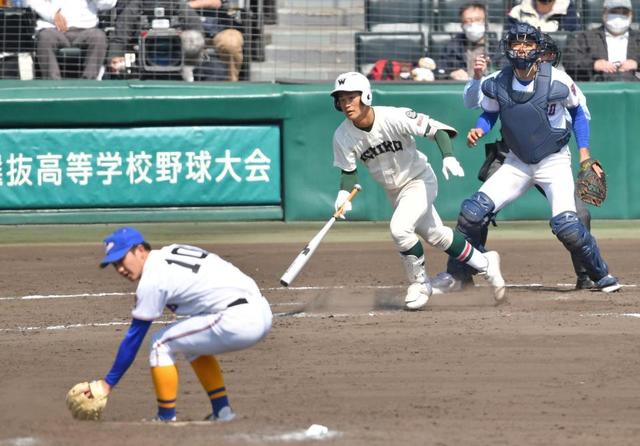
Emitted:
<point x="240" y="301"/>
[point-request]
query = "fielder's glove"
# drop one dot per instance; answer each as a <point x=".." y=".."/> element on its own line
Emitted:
<point x="87" y="400"/>
<point x="591" y="187"/>
<point x="451" y="165"/>
<point x="340" y="200"/>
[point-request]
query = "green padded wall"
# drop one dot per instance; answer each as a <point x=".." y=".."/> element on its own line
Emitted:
<point x="307" y="120"/>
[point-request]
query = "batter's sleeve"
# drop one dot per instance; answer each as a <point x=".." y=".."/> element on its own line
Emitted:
<point x="343" y="157"/>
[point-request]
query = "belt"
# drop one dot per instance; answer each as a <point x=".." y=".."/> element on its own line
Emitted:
<point x="240" y="301"/>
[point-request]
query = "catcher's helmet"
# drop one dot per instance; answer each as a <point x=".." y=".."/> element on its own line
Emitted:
<point x="352" y="81"/>
<point x="522" y="32"/>
<point x="549" y="50"/>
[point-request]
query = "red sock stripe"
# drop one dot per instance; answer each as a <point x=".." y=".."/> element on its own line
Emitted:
<point x="466" y="252"/>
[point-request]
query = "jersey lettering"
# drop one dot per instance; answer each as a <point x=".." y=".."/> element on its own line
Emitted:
<point x="551" y="110"/>
<point x="384" y="147"/>
<point x="187" y="251"/>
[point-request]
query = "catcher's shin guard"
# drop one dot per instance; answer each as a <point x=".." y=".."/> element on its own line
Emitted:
<point x="575" y="237"/>
<point x="473" y="222"/>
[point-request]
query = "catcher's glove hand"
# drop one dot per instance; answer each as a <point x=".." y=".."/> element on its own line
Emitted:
<point x="591" y="186"/>
<point x="87" y="400"/>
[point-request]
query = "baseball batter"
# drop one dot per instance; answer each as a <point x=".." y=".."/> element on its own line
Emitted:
<point x="383" y="139"/>
<point x="220" y="310"/>
<point x="457" y="278"/>
<point x="531" y="100"/>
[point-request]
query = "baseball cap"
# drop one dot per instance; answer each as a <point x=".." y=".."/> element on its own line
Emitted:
<point x="610" y="4"/>
<point x="119" y="243"/>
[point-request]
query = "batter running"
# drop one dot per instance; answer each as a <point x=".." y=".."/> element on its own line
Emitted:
<point x="383" y="139"/>
<point x="531" y="99"/>
<point x="222" y="308"/>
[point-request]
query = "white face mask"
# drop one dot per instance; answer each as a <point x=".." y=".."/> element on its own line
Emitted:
<point x="617" y="23"/>
<point x="474" y="31"/>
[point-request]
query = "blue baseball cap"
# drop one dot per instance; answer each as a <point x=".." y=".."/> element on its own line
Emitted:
<point x="119" y="243"/>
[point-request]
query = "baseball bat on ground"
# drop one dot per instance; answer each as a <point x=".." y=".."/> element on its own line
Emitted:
<point x="301" y="260"/>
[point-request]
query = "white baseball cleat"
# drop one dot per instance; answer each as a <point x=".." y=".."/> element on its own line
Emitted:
<point x="494" y="276"/>
<point x="417" y="296"/>
<point x="225" y="415"/>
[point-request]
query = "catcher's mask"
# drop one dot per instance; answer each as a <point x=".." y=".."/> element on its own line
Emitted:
<point x="549" y="50"/>
<point x="521" y="32"/>
<point x="352" y="81"/>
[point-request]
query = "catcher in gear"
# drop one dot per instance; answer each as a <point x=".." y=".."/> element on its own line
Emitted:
<point x="383" y="139"/>
<point x="457" y="278"/>
<point x="222" y="308"/>
<point x="535" y="130"/>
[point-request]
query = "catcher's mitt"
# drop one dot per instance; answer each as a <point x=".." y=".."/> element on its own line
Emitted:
<point x="591" y="188"/>
<point x="87" y="400"/>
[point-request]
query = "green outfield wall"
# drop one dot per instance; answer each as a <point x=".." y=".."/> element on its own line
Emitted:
<point x="83" y="151"/>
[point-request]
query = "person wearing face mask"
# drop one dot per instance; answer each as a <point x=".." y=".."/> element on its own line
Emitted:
<point x="610" y="52"/>
<point x="458" y="57"/>
<point x="547" y="15"/>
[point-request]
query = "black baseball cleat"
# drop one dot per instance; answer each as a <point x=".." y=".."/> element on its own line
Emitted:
<point x="584" y="282"/>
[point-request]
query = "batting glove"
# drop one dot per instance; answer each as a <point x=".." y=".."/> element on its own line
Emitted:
<point x="340" y="199"/>
<point x="451" y="165"/>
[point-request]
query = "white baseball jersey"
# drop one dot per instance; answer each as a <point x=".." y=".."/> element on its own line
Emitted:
<point x="189" y="281"/>
<point x="556" y="111"/>
<point x="389" y="149"/>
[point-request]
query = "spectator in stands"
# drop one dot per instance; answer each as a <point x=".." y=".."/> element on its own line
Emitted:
<point x="222" y="28"/>
<point x="461" y="52"/>
<point x="70" y="23"/>
<point x="547" y="15"/>
<point x="138" y="15"/>
<point x="608" y="53"/>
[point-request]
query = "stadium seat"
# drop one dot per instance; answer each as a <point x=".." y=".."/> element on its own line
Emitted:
<point x="438" y="43"/>
<point x="373" y="46"/>
<point x="399" y="16"/>
<point x="560" y="37"/>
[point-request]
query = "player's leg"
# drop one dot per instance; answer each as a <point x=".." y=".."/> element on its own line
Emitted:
<point x="554" y="175"/>
<point x="508" y="183"/>
<point x="209" y="374"/>
<point x="583" y="281"/>
<point x="412" y="204"/>
<point x="244" y="323"/>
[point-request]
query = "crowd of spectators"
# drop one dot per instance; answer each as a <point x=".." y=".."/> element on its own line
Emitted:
<point x="213" y="40"/>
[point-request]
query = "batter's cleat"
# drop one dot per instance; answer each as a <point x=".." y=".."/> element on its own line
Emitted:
<point x="608" y="284"/>
<point x="225" y="415"/>
<point x="417" y="296"/>
<point x="494" y="276"/>
<point x="584" y="282"/>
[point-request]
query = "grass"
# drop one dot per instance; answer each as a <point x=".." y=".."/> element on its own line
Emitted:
<point x="278" y="232"/>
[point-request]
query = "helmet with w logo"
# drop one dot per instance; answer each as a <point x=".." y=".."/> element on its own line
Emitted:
<point x="352" y="81"/>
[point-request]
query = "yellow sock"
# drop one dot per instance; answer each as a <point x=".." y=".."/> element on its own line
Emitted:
<point x="165" y="381"/>
<point x="209" y="373"/>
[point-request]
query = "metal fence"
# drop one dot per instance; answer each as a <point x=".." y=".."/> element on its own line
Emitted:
<point x="267" y="40"/>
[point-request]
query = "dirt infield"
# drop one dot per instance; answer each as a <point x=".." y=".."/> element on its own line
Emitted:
<point x="552" y="367"/>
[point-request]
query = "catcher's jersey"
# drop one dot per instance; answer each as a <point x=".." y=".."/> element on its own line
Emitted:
<point x="189" y="281"/>
<point x="389" y="149"/>
<point x="556" y="111"/>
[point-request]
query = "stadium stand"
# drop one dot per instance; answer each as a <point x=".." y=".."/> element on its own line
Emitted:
<point x="373" y="46"/>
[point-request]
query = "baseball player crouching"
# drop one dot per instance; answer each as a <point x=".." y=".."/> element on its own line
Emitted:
<point x="459" y="276"/>
<point x="532" y="99"/>
<point x="223" y="308"/>
<point x="383" y="139"/>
